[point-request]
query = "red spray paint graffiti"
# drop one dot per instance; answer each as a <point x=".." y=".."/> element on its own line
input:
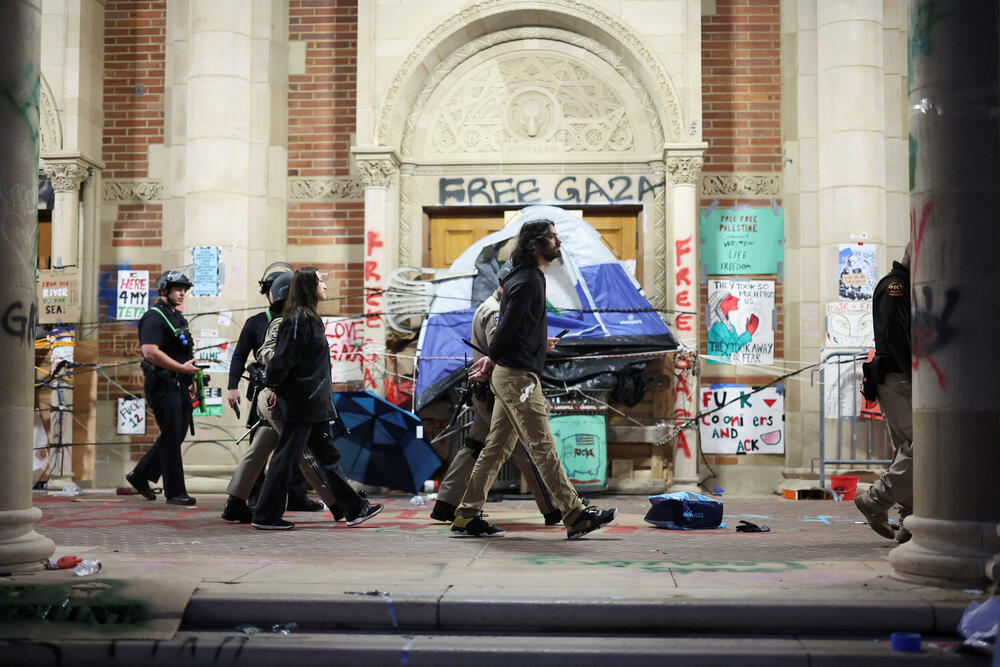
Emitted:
<point x="683" y="398"/>
<point x="682" y="283"/>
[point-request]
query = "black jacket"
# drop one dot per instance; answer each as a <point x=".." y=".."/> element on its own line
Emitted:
<point x="251" y="338"/>
<point x="299" y="372"/>
<point x="521" y="335"/>
<point x="891" y="319"/>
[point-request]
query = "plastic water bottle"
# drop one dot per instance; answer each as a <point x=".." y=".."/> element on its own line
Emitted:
<point x="87" y="567"/>
<point x="419" y="501"/>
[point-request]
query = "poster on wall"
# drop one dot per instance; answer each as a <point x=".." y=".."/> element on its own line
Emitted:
<point x="741" y="421"/>
<point x="132" y="295"/>
<point x="842" y="397"/>
<point x="346" y="338"/>
<point x="213" y="352"/>
<point x="581" y="441"/>
<point x="58" y="296"/>
<point x="741" y="241"/>
<point x="212" y="407"/>
<point x="849" y="324"/>
<point x="131" y="416"/>
<point x="858" y="271"/>
<point x="205" y="273"/>
<point x="740" y="321"/>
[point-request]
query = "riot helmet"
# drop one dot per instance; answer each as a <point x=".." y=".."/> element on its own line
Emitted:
<point x="273" y="270"/>
<point x="171" y="278"/>
<point x="280" y="286"/>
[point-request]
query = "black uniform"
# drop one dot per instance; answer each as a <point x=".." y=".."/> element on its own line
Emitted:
<point x="299" y="373"/>
<point x="168" y="394"/>
<point x="891" y="319"/>
<point x="251" y="340"/>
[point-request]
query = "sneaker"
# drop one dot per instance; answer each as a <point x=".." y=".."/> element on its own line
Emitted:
<point x="140" y="485"/>
<point x="591" y="519"/>
<point x="237" y="511"/>
<point x="877" y="519"/>
<point x="181" y="500"/>
<point x="476" y="526"/>
<point x="443" y="512"/>
<point x="280" y="525"/>
<point x="367" y="512"/>
<point x="307" y="505"/>
<point x="553" y="517"/>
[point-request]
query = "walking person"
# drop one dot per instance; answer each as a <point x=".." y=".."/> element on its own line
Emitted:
<point x="513" y="368"/>
<point x="456" y="479"/>
<point x="299" y="373"/>
<point x="251" y="340"/>
<point x="265" y="437"/>
<point x="888" y="379"/>
<point x="168" y="367"/>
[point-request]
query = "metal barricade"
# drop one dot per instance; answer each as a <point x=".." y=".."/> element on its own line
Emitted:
<point x="848" y="384"/>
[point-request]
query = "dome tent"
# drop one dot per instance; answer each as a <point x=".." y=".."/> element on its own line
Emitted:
<point x="589" y="292"/>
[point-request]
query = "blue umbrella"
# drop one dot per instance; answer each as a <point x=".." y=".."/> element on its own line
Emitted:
<point x="381" y="446"/>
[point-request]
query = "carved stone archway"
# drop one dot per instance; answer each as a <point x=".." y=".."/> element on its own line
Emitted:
<point x="497" y="16"/>
<point x="50" y="125"/>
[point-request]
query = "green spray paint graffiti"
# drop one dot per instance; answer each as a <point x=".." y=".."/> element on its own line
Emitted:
<point x="676" y="567"/>
<point x="22" y="93"/>
<point x="922" y="21"/>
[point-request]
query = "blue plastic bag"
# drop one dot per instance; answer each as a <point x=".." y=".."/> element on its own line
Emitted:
<point x="684" y="511"/>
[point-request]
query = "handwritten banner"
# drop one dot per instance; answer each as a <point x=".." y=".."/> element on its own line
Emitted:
<point x="742" y="241"/>
<point x="345" y="337"/>
<point x="749" y="423"/>
<point x="131" y="416"/>
<point x="132" y="295"/>
<point x="740" y="321"/>
<point x="58" y="296"/>
<point x="849" y="324"/>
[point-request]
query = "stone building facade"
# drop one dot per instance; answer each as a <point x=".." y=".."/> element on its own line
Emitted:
<point x="352" y="134"/>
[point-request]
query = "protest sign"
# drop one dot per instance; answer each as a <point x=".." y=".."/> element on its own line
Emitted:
<point x="744" y="423"/>
<point x="858" y="271"/>
<point x="58" y="296"/>
<point x="740" y="321"/>
<point x="132" y="295"/>
<point x="849" y="324"/>
<point x="742" y="241"/>
<point x="131" y="416"/>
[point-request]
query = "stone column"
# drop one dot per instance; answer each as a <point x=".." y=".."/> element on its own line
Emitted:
<point x="21" y="548"/>
<point x="684" y="166"/>
<point x="955" y="205"/>
<point x="378" y="168"/>
<point x="66" y="176"/>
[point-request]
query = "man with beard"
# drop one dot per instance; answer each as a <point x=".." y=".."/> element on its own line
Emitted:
<point x="514" y="368"/>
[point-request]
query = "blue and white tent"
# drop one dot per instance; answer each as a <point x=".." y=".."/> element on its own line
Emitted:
<point x="589" y="292"/>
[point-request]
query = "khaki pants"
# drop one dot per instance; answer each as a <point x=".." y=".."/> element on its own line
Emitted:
<point x="519" y="415"/>
<point x="896" y="484"/>
<point x="456" y="480"/>
<point x="261" y="447"/>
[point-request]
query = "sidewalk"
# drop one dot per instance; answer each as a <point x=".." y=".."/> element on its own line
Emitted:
<point x="817" y="572"/>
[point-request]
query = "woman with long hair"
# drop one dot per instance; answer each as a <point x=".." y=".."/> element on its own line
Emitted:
<point x="299" y="373"/>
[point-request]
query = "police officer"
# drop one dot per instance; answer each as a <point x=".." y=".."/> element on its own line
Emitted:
<point x="169" y="369"/>
<point x="456" y="480"/>
<point x="251" y="339"/>
<point x="887" y="378"/>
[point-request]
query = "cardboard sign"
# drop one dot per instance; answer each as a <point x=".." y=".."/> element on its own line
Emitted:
<point x="212" y="407"/>
<point x="849" y="324"/>
<point x="346" y="338"/>
<point x="131" y="416"/>
<point x="205" y="274"/>
<point x="740" y="321"/>
<point x="749" y="423"/>
<point x="132" y="295"/>
<point x="581" y="441"/>
<point x="742" y="241"/>
<point x="58" y="296"/>
<point x="858" y="271"/>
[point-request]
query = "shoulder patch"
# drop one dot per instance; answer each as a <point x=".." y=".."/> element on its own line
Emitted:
<point x="496" y="318"/>
<point x="894" y="288"/>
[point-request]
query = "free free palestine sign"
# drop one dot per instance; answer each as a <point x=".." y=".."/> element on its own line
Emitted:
<point x="742" y="240"/>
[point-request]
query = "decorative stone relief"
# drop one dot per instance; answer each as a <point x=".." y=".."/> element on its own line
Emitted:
<point x="657" y="288"/>
<point x="537" y="34"/>
<point x="415" y="64"/>
<point x="329" y="189"/>
<point x="407" y="211"/>
<point x="684" y="169"/>
<point x="739" y="185"/>
<point x="537" y="99"/>
<point x="133" y="191"/>
<point x="49" y="122"/>
<point x="376" y="173"/>
<point x="66" y="176"/>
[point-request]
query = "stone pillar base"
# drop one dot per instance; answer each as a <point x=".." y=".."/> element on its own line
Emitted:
<point x="22" y="549"/>
<point x="947" y="554"/>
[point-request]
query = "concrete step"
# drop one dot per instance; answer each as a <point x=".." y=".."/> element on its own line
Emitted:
<point x="472" y="650"/>
<point x="494" y="609"/>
